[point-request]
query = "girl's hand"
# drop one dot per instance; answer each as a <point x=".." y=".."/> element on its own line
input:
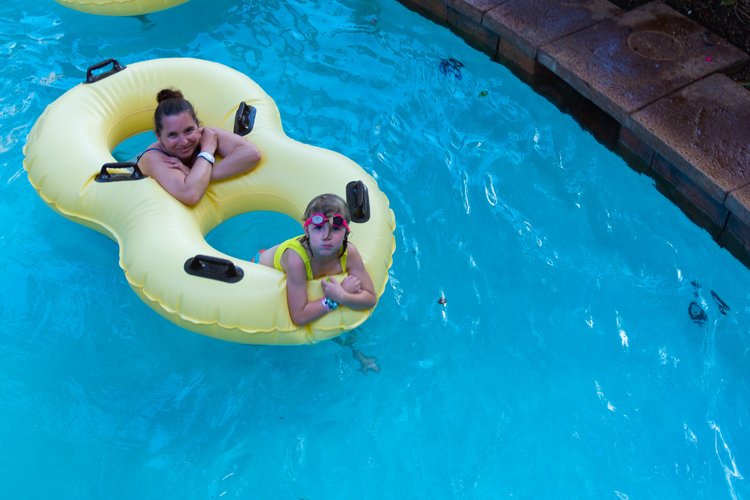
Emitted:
<point x="351" y="284"/>
<point x="333" y="289"/>
<point x="209" y="140"/>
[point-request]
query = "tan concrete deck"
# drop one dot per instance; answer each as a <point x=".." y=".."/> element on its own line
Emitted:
<point x="649" y="83"/>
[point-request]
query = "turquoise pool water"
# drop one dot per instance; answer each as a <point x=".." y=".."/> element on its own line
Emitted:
<point x="562" y="363"/>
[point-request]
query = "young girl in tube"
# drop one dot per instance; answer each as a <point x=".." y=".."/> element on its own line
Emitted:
<point x="323" y="250"/>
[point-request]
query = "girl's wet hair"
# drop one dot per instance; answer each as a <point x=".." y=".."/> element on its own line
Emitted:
<point x="171" y="102"/>
<point x="328" y="205"/>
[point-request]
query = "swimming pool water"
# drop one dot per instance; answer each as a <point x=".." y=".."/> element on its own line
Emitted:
<point x="562" y="363"/>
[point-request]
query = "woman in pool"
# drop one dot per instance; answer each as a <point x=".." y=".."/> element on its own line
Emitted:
<point x="322" y="251"/>
<point x="182" y="159"/>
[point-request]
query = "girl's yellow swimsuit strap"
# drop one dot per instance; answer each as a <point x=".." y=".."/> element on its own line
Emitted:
<point x="296" y="245"/>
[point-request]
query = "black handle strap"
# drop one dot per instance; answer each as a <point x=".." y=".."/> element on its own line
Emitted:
<point x="91" y="78"/>
<point x="358" y="199"/>
<point x="105" y="175"/>
<point x="215" y="268"/>
<point x="244" y="119"/>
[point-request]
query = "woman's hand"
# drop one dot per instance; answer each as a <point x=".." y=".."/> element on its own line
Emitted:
<point x="209" y="140"/>
<point x="175" y="163"/>
<point x="186" y="184"/>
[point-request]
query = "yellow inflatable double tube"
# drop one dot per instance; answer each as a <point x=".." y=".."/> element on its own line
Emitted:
<point x="119" y="7"/>
<point x="157" y="234"/>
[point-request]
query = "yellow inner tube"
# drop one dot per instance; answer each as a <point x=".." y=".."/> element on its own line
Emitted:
<point x="119" y="7"/>
<point x="157" y="234"/>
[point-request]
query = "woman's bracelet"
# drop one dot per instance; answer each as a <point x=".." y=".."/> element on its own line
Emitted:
<point x="329" y="304"/>
<point x="208" y="157"/>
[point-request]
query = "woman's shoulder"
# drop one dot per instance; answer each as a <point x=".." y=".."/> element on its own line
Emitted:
<point x="153" y="147"/>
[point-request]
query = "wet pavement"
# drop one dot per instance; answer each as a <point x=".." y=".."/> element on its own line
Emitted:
<point x="653" y="82"/>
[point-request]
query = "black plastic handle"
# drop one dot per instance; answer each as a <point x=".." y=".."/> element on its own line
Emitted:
<point x="214" y="268"/>
<point x="105" y="176"/>
<point x="358" y="199"/>
<point x="91" y="78"/>
<point x="244" y="119"/>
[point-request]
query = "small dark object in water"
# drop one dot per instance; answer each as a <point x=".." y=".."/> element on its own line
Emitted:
<point x="697" y="313"/>
<point x="483" y="93"/>
<point x="723" y="307"/>
<point x="452" y="66"/>
<point x="442" y="301"/>
<point x="367" y="363"/>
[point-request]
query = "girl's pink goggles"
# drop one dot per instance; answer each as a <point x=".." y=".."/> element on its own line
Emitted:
<point x="336" y="220"/>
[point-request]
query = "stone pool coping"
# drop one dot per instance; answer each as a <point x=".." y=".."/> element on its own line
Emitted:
<point x="648" y="83"/>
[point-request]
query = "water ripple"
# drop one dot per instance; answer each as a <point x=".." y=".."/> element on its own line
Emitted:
<point x="726" y="458"/>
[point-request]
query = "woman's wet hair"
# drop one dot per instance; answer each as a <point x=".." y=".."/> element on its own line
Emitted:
<point x="171" y="102"/>
<point x="328" y="204"/>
